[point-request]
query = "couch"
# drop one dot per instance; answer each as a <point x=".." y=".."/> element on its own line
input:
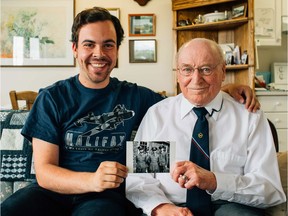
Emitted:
<point x="16" y="153"/>
<point x="17" y="161"/>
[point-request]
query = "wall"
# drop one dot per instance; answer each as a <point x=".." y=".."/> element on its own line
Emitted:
<point x="268" y="55"/>
<point x="157" y="76"/>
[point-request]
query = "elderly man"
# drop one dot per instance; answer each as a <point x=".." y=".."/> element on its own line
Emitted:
<point x="240" y="172"/>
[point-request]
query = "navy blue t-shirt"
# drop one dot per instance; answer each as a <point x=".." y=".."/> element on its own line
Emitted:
<point x="88" y="125"/>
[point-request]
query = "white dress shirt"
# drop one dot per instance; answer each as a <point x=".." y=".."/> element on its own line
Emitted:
<point x="242" y="154"/>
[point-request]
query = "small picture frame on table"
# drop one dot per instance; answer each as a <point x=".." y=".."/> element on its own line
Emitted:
<point x="244" y="57"/>
<point x="229" y="57"/>
<point x="142" y="24"/>
<point x="142" y="51"/>
<point x="239" y="11"/>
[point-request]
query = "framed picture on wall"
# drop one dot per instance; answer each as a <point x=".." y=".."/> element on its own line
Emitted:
<point x="142" y="51"/>
<point x="114" y="11"/>
<point x="36" y="33"/>
<point x="142" y="24"/>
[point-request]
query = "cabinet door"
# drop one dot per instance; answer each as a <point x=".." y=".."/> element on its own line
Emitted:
<point x="273" y="103"/>
<point x="267" y="22"/>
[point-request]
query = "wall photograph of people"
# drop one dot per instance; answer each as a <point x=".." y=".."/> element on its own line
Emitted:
<point x="150" y="156"/>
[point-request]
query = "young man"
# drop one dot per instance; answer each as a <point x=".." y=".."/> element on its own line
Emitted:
<point x="243" y="176"/>
<point x="79" y="127"/>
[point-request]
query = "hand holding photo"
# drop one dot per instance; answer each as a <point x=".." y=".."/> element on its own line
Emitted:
<point x="150" y="156"/>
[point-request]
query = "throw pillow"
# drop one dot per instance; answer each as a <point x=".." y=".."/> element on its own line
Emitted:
<point x="16" y="151"/>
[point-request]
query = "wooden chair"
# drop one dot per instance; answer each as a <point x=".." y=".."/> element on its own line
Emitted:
<point x="162" y="93"/>
<point x="274" y="134"/>
<point x="28" y="96"/>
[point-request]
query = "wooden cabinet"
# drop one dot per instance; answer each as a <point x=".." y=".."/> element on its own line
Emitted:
<point x="268" y="22"/>
<point x="239" y="31"/>
<point x="274" y="104"/>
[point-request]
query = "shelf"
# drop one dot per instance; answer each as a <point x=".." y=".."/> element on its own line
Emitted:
<point x="237" y="67"/>
<point x="184" y="4"/>
<point x="239" y="31"/>
<point x="226" y="24"/>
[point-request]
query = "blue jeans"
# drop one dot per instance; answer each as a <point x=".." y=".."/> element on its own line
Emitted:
<point x="225" y="208"/>
<point x="34" y="201"/>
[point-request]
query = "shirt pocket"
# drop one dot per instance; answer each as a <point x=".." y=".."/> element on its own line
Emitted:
<point x="228" y="162"/>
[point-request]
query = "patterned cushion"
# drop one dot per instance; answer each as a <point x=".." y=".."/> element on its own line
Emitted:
<point x="16" y="151"/>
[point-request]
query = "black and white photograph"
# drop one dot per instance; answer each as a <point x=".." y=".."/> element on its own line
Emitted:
<point x="150" y="156"/>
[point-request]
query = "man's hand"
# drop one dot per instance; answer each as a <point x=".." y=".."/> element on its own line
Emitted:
<point x="167" y="209"/>
<point x="109" y="175"/>
<point x="243" y="94"/>
<point x="189" y="175"/>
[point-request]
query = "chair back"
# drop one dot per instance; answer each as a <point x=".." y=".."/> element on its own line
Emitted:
<point x="162" y="93"/>
<point x="274" y="134"/>
<point x="28" y="96"/>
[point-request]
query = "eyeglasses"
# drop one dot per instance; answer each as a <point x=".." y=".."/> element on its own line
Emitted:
<point x="188" y="70"/>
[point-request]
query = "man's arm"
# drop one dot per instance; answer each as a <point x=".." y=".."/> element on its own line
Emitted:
<point x="260" y="169"/>
<point x="143" y="190"/>
<point x="243" y="94"/>
<point x="52" y="177"/>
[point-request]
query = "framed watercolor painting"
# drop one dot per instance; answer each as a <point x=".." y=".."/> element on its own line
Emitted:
<point x="142" y="51"/>
<point x="142" y="24"/>
<point x="36" y="33"/>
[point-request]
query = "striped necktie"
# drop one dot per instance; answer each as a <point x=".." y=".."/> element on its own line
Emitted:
<point x="199" y="201"/>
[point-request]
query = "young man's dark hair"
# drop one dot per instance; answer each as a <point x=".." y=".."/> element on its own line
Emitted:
<point x="92" y="15"/>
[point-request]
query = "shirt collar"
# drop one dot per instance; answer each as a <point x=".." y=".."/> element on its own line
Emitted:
<point x="215" y="105"/>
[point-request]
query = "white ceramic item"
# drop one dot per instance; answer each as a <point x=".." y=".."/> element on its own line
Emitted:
<point x="214" y="17"/>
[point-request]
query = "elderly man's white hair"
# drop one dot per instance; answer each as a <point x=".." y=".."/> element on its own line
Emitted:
<point x="212" y="43"/>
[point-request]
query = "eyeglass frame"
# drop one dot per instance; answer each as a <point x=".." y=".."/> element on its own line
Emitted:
<point x="199" y="69"/>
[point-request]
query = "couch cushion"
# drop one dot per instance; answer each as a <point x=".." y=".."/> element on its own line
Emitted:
<point x="16" y="151"/>
<point x="280" y="210"/>
<point x="6" y="190"/>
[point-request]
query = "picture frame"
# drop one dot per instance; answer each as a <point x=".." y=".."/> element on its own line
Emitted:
<point x="142" y="24"/>
<point x="31" y="37"/>
<point x="244" y="57"/>
<point x="239" y="11"/>
<point x="115" y="12"/>
<point x="138" y="152"/>
<point x="142" y="51"/>
<point x="229" y="57"/>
